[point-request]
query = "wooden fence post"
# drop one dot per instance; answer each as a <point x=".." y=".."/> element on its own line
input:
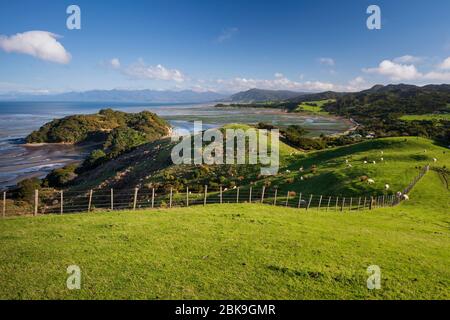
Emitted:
<point x="337" y="202"/>
<point x="342" y="204"/>
<point x="237" y="195"/>
<point x="275" y="197"/>
<point x="328" y="205"/>
<point x="320" y="203"/>
<point x="365" y="201"/>
<point x="187" y="196"/>
<point x="153" y="198"/>
<point x="309" y="202"/>
<point x="206" y="193"/>
<point x="262" y="195"/>
<point x="62" y="202"/>
<point x="112" y="199"/>
<point x="136" y="190"/>
<point x="287" y="199"/>
<point x="300" y="200"/>
<point x="359" y="204"/>
<point x="351" y="204"/>
<point x="90" y="200"/>
<point x="250" y="195"/>
<point x="221" y="199"/>
<point x="4" y="205"/>
<point x="170" y="199"/>
<point x="36" y="202"/>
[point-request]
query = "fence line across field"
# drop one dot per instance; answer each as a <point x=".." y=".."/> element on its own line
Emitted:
<point x="71" y="201"/>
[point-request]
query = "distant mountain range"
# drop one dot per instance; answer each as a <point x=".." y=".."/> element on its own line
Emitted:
<point x="189" y="96"/>
<point x="259" y="95"/>
<point x="185" y="96"/>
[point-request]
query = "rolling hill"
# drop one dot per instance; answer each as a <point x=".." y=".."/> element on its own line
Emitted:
<point x="234" y="252"/>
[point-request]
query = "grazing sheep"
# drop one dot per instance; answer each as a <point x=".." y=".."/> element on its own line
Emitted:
<point x="365" y="162"/>
<point x="346" y="161"/>
<point x="301" y="178"/>
<point x="288" y="171"/>
<point x="382" y="152"/>
<point x="301" y="169"/>
<point x="386" y="186"/>
<point x="370" y="181"/>
<point x="434" y="159"/>
<point x="399" y="194"/>
<point x="374" y="162"/>
<point x="349" y="165"/>
<point x="405" y="197"/>
<point x="382" y="159"/>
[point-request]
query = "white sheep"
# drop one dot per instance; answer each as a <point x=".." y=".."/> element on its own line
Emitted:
<point x="405" y="197"/>
<point x="301" y="169"/>
<point x="288" y="171"/>
<point x="382" y="152"/>
<point x="374" y="162"/>
<point x="434" y="159"/>
<point x="349" y="165"/>
<point x="365" y="162"/>
<point x="346" y="161"/>
<point x="386" y="186"/>
<point x="370" y="181"/>
<point x="382" y="159"/>
<point x="399" y="194"/>
<point x="301" y="178"/>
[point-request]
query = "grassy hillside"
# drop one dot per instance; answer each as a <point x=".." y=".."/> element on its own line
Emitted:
<point x="324" y="172"/>
<point x="234" y="252"/>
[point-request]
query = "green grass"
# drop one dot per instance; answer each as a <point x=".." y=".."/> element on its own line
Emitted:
<point x="426" y="117"/>
<point x="234" y="252"/>
<point x="402" y="158"/>
<point x="317" y="109"/>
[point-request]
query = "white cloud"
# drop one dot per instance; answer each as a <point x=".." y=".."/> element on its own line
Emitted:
<point x="227" y="34"/>
<point x="40" y="44"/>
<point x="278" y="75"/>
<point x="278" y="83"/>
<point x="140" y="70"/>
<point x="436" y="75"/>
<point x="114" y="63"/>
<point x="326" y="61"/>
<point x="408" y="59"/>
<point x="395" y="71"/>
<point x="445" y="64"/>
<point x="357" y="84"/>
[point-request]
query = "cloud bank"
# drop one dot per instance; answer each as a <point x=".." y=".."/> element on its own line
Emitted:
<point x="39" y="44"/>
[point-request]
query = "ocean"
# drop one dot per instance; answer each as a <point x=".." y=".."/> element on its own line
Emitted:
<point x="18" y="119"/>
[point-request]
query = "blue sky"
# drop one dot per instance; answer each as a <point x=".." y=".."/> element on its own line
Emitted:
<point x="222" y="45"/>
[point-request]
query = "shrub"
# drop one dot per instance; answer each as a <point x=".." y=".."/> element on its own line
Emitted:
<point x="59" y="178"/>
<point x="27" y="187"/>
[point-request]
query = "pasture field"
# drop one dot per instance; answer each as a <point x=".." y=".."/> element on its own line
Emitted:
<point x="316" y="108"/>
<point x="426" y="117"/>
<point x="234" y="252"/>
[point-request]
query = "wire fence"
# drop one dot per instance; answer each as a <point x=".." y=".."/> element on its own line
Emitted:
<point x="50" y="201"/>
